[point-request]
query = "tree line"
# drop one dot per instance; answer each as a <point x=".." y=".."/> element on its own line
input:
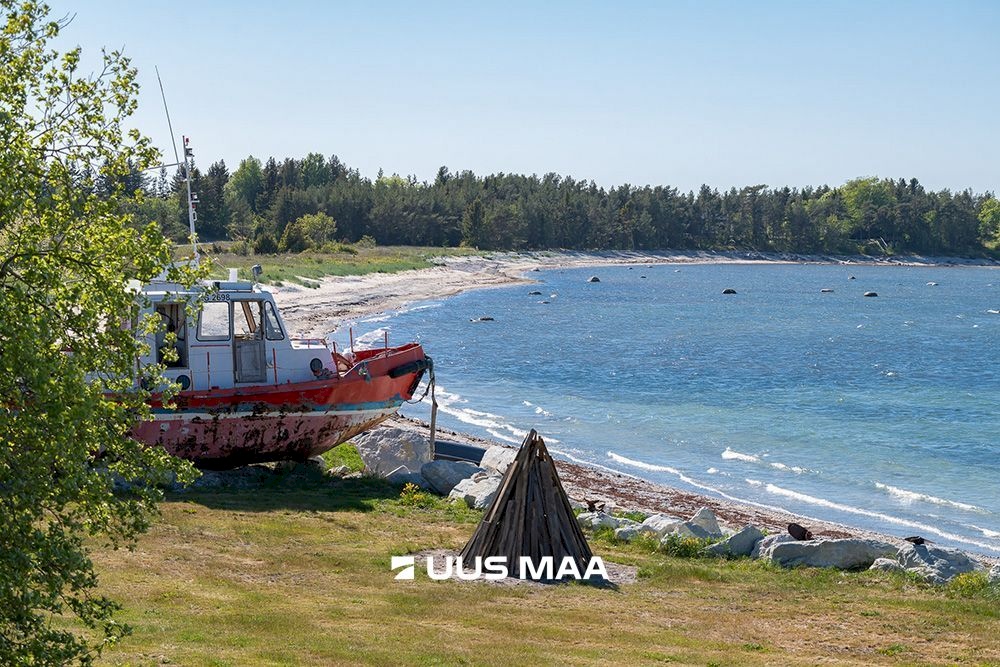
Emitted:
<point x="301" y="204"/>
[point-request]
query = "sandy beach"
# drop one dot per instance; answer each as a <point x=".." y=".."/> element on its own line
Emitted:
<point x="317" y="311"/>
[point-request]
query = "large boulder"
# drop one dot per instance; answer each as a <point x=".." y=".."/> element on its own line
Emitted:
<point x="937" y="565"/>
<point x="385" y="449"/>
<point x="705" y="519"/>
<point x="887" y="565"/>
<point x="443" y="476"/>
<point x="686" y="529"/>
<point x="994" y="576"/>
<point x="402" y="476"/>
<point x="846" y="554"/>
<point x="498" y="458"/>
<point x="738" y="544"/>
<point x="764" y="547"/>
<point x="632" y="530"/>
<point x="477" y="491"/>
<point x="597" y="520"/>
<point x="658" y="524"/>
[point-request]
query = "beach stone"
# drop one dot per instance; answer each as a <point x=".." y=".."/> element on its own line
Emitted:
<point x="994" y="576"/>
<point x="597" y="520"/>
<point x="738" y="544"/>
<point x="443" y="476"/>
<point x="937" y="565"/>
<point x="658" y="523"/>
<point x="630" y="531"/>
<point x="498" y="458"/>
<point x="477" y="491"/>
<point x="402" y="476"/>
<point x="887" y="565"/>
<point x="577" y="505"/>
<point x="845" y="554"/>
<point x="705" y="519"/>
<point x="385" y="449"/>
<point x="686" y="529"/>
<point x="765" y="546"/>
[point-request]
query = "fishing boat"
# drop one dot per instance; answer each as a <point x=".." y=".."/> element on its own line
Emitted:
<point x="249" y="391"/>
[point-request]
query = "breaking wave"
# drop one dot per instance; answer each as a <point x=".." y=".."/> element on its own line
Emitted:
<point x="887" y="518"/>
<point x="915" y="496"/>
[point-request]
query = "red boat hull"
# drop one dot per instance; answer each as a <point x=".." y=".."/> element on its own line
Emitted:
<point x="225" y="428"/>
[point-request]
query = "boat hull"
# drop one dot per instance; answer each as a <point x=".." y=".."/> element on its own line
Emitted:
<point x="226" y="428"/>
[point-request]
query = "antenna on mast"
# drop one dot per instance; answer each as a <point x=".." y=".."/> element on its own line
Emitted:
<point x="185" y="168"/>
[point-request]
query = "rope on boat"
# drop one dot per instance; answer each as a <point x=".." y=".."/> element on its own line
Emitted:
<point x="431" y="385"/>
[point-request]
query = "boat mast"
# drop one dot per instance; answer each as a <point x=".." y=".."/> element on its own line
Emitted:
<point x="185" y="168"/>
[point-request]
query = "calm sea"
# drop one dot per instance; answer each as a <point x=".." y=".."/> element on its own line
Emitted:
<point x="881" y="413"/>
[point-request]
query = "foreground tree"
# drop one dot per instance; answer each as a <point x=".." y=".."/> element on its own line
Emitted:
<point x="68" y="251"/>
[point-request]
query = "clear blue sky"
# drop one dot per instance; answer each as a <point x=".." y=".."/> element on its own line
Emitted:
<point x="677" y="93"/>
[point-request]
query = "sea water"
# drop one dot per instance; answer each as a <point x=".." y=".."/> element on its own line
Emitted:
<point x="876" y="412"/>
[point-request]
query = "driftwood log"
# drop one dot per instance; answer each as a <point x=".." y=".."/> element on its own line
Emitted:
<point x="531" y="515"/>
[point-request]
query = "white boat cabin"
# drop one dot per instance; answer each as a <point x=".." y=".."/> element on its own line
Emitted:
<point x="237" y="338"/>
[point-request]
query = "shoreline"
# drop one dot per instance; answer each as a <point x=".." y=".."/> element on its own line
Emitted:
<point x="314" y="312"/>
<point x="318" y="311"/>
<point x="627" y="492"/>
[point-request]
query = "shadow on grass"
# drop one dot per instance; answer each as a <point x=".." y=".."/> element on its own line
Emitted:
<point x="301" y="491"/>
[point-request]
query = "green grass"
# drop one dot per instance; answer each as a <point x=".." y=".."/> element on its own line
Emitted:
<point x="298" y="574"/>
<point x="345" y="455"/>
<point x="309" y="267"/>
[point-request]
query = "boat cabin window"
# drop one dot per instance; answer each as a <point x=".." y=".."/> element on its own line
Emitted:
<point x="271" y="326"/>
<point x="174" y="321"/>
<point x="213" y="323"/>
<point x="248" y="318"/>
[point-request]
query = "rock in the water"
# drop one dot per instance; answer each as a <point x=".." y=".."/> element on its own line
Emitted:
<point x="484" y="318"/>
<point x="847" y="554"/>
<point x="478" y="491"/>
<point x="932" y="284"/>
<point x="738" y="544"/>
<point x="403" y="475"/>
<point x="826" y="290"/>
<point x="444" y="475"/>
<point x="852" y="278"/>
<point x="498" y="458"/>
<point x="729" y="290"/>
<point x="937" y="565"/>
<point x="887" y="565"/>
<point x="534" y="293"/>
<point x="994" y="576"/>
<point x="385" y="449"/>
<point x="705" y="519"/>
<point x="659" y="523"/>
<point x="871" y="293"/>
<point x="764" y="547"/>
<point x="593" y="279"/>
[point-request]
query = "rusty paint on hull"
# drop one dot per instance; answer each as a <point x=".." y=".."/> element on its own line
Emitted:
<point x="225" y="428"/>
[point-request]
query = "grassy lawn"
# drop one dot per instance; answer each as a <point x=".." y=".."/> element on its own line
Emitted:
<point x="298" y="573"/>
<point x="305" y="268"/>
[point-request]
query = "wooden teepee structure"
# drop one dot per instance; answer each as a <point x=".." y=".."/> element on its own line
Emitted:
<point x="531" y="515"/>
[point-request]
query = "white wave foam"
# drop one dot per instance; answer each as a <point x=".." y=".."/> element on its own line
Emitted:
<point x="374" y="338"/>
<point x="781" y="466"/>
<point x="829" y="504"/>
<point x="914" y="496"/>
<point x="539" y="410"/>
<point x="733" y="455"/>
<point x="494" y="424"/>
<point x="985" y="531"/>
<point x="658" y="468"/>
<point x="712" y="471"/>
